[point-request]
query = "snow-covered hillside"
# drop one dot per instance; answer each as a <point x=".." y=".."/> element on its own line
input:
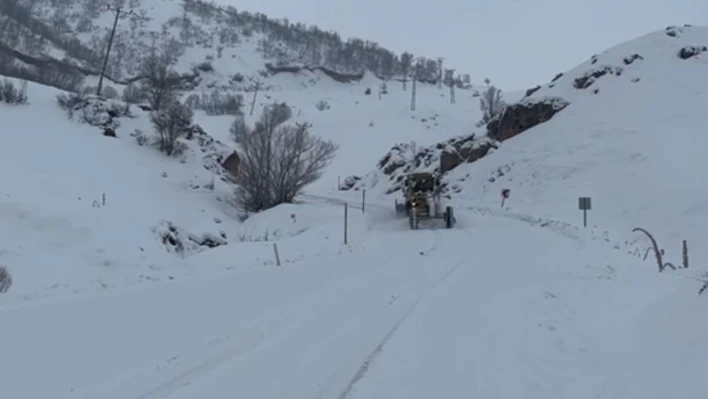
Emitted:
<point x="63" y="44"/>
<point x="632" y="138"/>
<point x="135" y="277"/>
<point x="147" y="193"/>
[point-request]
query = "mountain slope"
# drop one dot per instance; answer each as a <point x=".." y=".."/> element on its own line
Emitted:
<point x="631" y="138"/>
<point x="226" y="306"/>
<point x="60" y="42"/>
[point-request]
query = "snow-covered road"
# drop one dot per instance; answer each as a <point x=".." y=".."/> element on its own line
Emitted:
<point x="414" y="314"/>
<point x="261" y="333"/>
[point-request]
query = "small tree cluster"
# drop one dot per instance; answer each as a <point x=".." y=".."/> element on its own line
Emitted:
<point x="12" y="95"/>
<point x="107" y="91"/>
<point x="133" y="94"/>
<point x="278" y="160"/>
<point x="171" y="122"/>
<point x="216" y="103"/>
<point x="5" y="280"/>
<point x="490" y="103"/>
<point x="322" y="105"/>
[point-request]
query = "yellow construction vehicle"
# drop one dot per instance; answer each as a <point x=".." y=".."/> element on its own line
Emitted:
<point x="422" y="199"/>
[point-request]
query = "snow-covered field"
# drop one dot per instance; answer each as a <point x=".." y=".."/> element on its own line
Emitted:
<point x="513" y="302"/>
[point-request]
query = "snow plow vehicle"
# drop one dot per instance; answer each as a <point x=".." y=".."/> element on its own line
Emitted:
<point x="422" y="199"/>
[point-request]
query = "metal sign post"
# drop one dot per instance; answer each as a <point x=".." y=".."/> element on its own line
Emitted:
<point x="505" y="195"/>
<point x="585" y="204"/>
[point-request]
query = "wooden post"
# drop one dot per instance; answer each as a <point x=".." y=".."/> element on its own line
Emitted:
<point x="363" y="200"/>
<point x="345" y="223"/>
<point x="277" y="257"/>
<point x="685" y="254"/>
<point x="103" y="199"/>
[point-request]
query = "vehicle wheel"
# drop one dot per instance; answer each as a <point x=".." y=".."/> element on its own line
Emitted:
<point x="449" y="217"/>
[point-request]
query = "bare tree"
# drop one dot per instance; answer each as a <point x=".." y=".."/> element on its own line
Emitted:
<point x="160" y="81"/>
<point x="406" y="64"/>
<point x="277" y="160"/>
<point x="490" y="103"/>
<point x="450" y="82"/>
<point x="171" y="123"/>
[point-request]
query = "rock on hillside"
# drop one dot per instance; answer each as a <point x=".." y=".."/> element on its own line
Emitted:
<point x="612" y="73"/>
<point x="447" y="155"/>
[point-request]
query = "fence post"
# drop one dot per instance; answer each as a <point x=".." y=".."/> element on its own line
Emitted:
<point x="277" y="257"/>
<point x="345" y="223"/>
<point x="685" y="254"/>
<point x="339" y="183"/>
<point x="103" y="199"/>
<point x="363" y="200"/>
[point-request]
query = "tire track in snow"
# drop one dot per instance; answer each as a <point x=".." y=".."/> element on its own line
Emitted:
<point x="364" y="368"/>
<point x="216" y="355"/>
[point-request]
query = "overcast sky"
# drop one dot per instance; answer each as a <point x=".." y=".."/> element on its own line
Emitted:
<point x="516" y="43"/>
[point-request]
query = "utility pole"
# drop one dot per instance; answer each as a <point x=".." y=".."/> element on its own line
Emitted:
<point x="415" y="78"/>
<point x="452" y="86"/>
<point x="440" y="72"/>
<point x="117" y="10"/>
<point x="255" y="93"/>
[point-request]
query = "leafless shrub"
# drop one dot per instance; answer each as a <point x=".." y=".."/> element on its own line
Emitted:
<point x="322" y="105"/>
<point x="140" y="137"/>
<point x="171" y="123"/>
<point x="491" y="104"/>
<point x="277" y="160"/>
<point x="5" y="280"/>
<point x="216" y="103"/>
<point x="69" y="102"/>
<point x="133" y="94"/>
<point x="193" y="101"/>
<point x="10" y="94"/>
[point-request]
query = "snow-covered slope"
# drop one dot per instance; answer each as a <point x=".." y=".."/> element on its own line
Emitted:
<point x="62" y="169"/>
<point x="513" y="302"/>
<point x="632" y="139"/>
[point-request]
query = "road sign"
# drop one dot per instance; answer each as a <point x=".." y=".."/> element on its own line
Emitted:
<point x="585" y="204"/>
<point x="505" y="194"/>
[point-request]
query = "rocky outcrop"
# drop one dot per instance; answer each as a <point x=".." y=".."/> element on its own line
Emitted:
<point x="589" y="77"/>
<point x="336" y="76"/>
<point x="522" y="116"/>
<point x="631" y="58"/>
<point x="464" y="151"/>
<point x="691" y="51"/>
<point x="675" y="31"/>
<point x="448" y="155"/>
<point x="214" y="152"/>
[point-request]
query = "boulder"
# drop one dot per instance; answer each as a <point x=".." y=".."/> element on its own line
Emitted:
<point x="231" y="163"/>
<point x="522" y="116"/>
<point x="691" y="51"/>
<point x="464" y="151"/>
